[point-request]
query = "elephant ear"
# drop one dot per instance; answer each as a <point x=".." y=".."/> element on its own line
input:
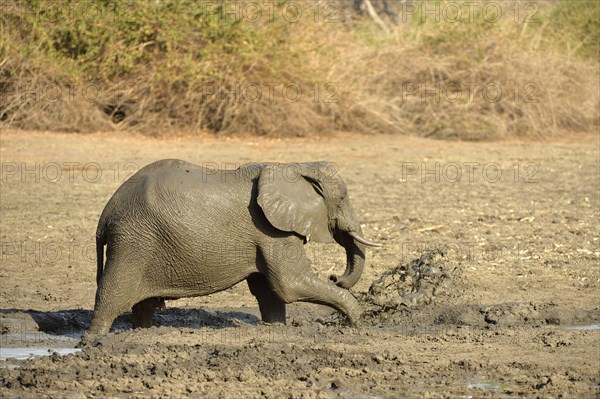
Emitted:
<point x="291" y="202"/>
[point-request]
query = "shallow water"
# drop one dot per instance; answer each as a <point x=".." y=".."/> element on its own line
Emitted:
<point x="488" y="386"/>
<point x="587" y="327"/>
<point x="495" y="388"/>
<point x="30" y="352"/>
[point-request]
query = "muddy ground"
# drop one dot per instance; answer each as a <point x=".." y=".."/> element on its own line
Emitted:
<point x="490" y="262"/>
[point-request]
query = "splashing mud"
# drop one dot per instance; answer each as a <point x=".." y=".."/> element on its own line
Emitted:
<point x="418" y="292"/>
<point x="418" y="282"/>
<point x="428" y="291"/>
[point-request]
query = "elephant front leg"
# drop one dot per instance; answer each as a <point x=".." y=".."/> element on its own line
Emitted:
<point x="298" y="282"/>
<point x="272" y="309"/>
<point x="143" y="312"/>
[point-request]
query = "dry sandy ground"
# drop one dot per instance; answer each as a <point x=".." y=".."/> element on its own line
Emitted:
<point x="515" y="225"/>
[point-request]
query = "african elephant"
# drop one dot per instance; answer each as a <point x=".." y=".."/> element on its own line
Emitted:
<point x="176" y="229"/>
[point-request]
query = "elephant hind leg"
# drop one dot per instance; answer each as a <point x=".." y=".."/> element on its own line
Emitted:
<point x="114" y="296"/>
<point x="272" y="309"/>
<point x="105" y="313"/>
<point x="143" y="311"/>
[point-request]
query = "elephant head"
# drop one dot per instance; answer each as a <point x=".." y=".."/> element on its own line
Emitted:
<point x="311" y="199"/>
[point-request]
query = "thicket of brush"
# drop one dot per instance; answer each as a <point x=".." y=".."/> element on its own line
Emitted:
<point x="162" y="66"/>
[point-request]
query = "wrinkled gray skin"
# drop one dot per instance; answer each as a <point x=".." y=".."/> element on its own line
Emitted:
<point x="175" y="230"/>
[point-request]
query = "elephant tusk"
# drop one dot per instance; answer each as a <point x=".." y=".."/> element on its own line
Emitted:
<point x="363" y="241"/>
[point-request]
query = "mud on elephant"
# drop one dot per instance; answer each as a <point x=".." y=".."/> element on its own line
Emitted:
<point x="175" y="230"/>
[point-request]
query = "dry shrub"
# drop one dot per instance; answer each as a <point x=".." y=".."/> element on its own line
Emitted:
<point x="45" y="101"/>
<point x="162" y="66"/>
<point x="420" y="82"/>
<point x="249" y="104"/>
<point x="402" y="91"/>
<point x="170" y="66"/>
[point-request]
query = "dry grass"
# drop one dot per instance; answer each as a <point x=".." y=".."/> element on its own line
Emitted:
<point x="171" y="66"/>
<point x="503" y="87"/>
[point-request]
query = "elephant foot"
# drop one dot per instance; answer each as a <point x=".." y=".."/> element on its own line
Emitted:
<point x="89" y="339"/>
<point x="99" y="325"/>
<point x="353" y="317"/>
<point x="272" y="309"/>
<point x="143" y="312"/>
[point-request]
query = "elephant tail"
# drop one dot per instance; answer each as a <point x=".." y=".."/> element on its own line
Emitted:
<point x="100" y="242"/>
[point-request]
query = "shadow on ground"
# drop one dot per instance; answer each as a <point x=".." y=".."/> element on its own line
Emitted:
<point x="76" y="321"/>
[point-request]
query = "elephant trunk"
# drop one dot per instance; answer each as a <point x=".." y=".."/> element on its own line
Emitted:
<point x="355" y="259"/>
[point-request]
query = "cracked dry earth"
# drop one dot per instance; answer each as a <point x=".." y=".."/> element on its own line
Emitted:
<point x="487" y="285"/>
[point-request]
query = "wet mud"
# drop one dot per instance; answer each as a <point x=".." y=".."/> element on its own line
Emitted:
<point x="232" y="353"/>
<point x="483" y="289"/>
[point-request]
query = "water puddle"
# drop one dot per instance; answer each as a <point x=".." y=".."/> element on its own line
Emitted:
<point x="487" y="386"/>
<point x="503" y="389"/>
<point x="587" y="327"/>
<point x="30" y="352"/>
